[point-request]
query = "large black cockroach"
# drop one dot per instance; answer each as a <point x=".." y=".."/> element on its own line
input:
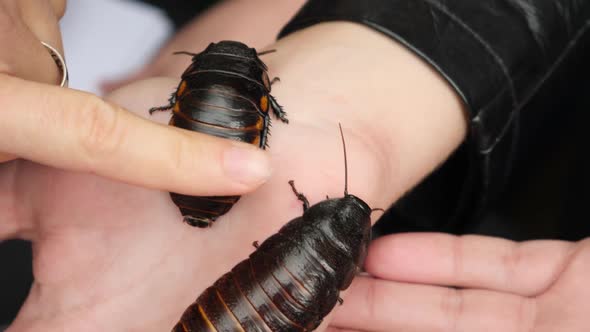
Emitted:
<point x="224" y="92"/>
<point x="293" y="279"/>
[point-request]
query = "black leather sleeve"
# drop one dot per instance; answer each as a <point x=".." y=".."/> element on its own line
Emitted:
<point x="181" y="12"/>
<point x="495" y="53"/>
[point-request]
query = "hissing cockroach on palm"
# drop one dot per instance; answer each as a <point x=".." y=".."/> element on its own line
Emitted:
<point x="225" y="92"/>
<point x="293" y="279"/>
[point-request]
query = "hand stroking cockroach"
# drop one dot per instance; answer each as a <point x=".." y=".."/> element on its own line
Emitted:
<point x="294" y="278"/>
<point x="225" y="92"/>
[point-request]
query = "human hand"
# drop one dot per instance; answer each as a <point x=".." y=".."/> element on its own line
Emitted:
<point x="77" y="131"/>
<point x="109" y="256"/>
<point x="437" y="282"/>
<point x="86" y="230"/>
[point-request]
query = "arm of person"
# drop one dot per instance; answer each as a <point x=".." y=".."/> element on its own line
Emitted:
<point x="109" y="256"/>
<point x="497" y="56"/>
<point x="473" y="282"/>
<point x="253" y="22"/>
<point x="319" y="88"/>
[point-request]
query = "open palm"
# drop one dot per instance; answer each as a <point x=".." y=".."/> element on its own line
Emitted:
<point x="114" y="257"/>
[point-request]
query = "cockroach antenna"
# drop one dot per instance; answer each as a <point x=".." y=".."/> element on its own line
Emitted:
<point x="185" y="53"/>
<point x="345" y="161"/>
<point x="346" y="169"/>
<point x="266" y="52"/>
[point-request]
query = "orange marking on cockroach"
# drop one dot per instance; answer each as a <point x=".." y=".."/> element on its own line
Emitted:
<point x="181" y="89"/>
<point x="202" y="312"/>
<point x="256" y="140"/>
<point x="264" y="103"/>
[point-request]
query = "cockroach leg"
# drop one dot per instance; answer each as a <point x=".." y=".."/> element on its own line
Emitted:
<point x="300" y="196"/>
<point x="160" y="109"/>
<point x="255" y="244"/>
<point x="278" y="109"/>
<point x="171" y="102"/>
<point x="340" y="301"/>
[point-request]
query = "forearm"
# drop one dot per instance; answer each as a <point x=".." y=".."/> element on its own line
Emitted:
<point x="498" y="56"/>
<point x="407" y="117"/>
<point x="254" y="22"/>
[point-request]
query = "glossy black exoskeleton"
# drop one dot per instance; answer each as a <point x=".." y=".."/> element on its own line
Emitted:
<point x="225" y="92"/>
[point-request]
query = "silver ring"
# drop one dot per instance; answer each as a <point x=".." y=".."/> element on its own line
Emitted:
<point x="60" y="62"/>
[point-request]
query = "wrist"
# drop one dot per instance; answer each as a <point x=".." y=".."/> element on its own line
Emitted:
<point x="253" y="22"/>
<point x="407" y="116"/>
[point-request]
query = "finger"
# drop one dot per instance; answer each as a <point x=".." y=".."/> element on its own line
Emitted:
<point x="41" y="19"/>
<point x="78" y="131"/>
<point x="385" y="306"/>
<point x="31" y="22"/>
<point x="59" y="7"/>
<point x="526" y="268"/>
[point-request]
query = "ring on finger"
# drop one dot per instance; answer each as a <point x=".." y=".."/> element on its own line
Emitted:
<point x="60" y="62"/>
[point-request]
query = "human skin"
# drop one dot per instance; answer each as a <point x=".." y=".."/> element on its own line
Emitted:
<point x="253" y="22"/>
<point x="78" y="131"/>
<point x="23" y="24"/>
<point x="439" y="282"/>
<point x="414" y="282"/>
<point x="112" y="256"/>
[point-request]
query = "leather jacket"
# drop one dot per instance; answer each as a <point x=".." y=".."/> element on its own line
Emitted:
<point x="520" y="67"/>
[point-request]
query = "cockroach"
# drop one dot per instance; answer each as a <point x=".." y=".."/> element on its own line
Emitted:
<point x="293" y="279"/>
<point x="225" y="92"/>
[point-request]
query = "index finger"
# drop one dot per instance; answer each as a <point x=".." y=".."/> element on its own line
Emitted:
<point x="78" y="131"/>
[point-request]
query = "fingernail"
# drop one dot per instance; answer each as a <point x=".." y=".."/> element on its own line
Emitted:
<point x="247" y="165"/>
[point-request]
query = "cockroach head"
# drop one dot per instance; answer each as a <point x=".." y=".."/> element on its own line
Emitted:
<point x="232" y="47"/>
<point x="356" y="204"/>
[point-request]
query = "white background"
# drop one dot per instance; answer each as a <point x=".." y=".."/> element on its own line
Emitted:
<point x="107" y="39"/>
